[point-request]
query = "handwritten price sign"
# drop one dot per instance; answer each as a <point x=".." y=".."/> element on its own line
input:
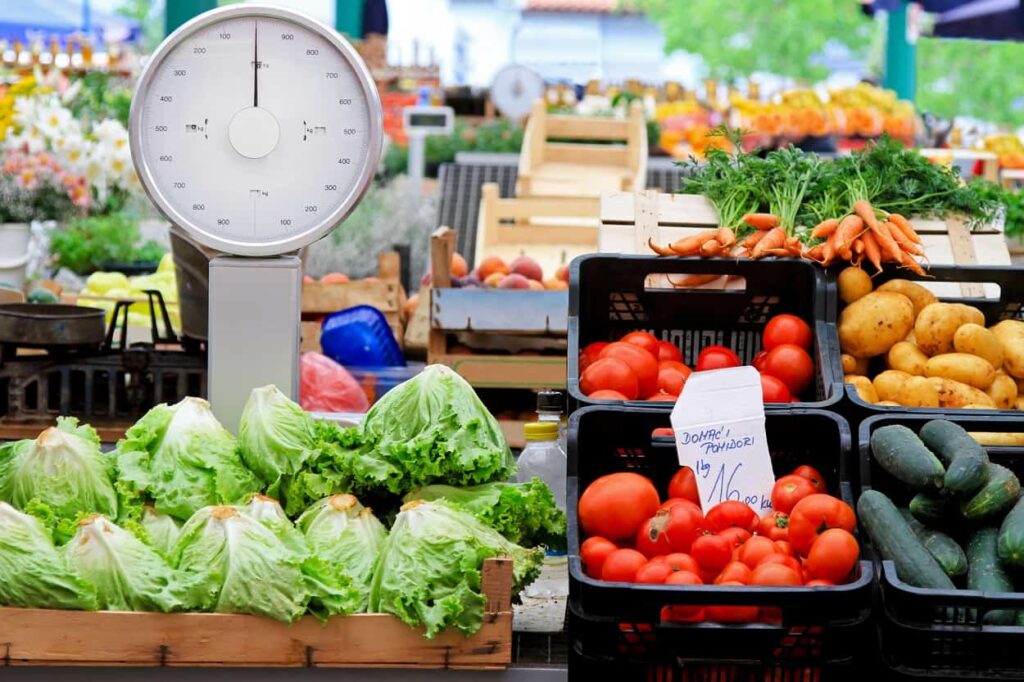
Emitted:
<point x="719" y="429"/>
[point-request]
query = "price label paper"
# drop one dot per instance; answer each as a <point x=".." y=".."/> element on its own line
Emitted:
<point x="719" y="430"/>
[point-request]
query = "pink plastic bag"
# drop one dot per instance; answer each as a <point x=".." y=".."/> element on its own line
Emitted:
<point x="326" y="386"/>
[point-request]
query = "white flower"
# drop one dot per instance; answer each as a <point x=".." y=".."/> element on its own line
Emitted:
<point x="53" y="120"/>
<point x="110" y="131"/>
<point x="29" y="140"/>
<point x="25" y="111"/>
<point x="72" y="150"/>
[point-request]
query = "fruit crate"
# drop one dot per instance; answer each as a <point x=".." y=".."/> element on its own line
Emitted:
<point x="998" y="291"/>
<point x="611" y="295"/>
<point x="820" y="628"/>
<point x="933" y="634"/>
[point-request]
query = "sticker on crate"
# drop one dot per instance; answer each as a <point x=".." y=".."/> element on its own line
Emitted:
<point x="720" y="434"/>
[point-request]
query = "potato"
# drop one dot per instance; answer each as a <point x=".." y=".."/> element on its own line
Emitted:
<point x="871" y="325"/>
<point x="908" y="358"/>
<point x="1011" y="335"/>
<point x="1020" y="386"/>
<point x="956" y="394"/>
<point x="962" y="367"/>
<point x="889" y="384"/>
<point x="1003" y="391"/>
<point x="911" y="337"/>
<point x="976" y="340"/>
<point x="865" y="389"/>
<point x="917" y="294"/>
<point x="854" y="283"/>
<point x="996" y="438"/>
<point x="905" y="389"/>
<point x="852" y="365"/>
<point x="937" y="323"/>
<point x="888" y="403"/>
<point x="1020" y="402"/>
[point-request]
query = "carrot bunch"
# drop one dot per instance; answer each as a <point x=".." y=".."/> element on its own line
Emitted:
<point x="867" y="233"/>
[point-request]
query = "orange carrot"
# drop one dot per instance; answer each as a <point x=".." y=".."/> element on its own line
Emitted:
<point x="849" y="228"/>
<point x="871" y="250"/>
<point x="726" y="237"/>
<point x="762" y="221"/>
<point x="751" y="240"/>
<point x="825" y="228"/>
<point x="905" y="243"/>
<point x="781" y="252"/>
<point x="816" y="253"/>
<point x="689" y="281"/>
<point x="890" y="249"/>
<point x="828" y="254"/>
<point x="660" y="250"/>
<point x="911" y="264"/>
<point x="905" y="227"/>
<point x="711" y="247"/>
<point x="866" y="212"/>
<point x="775" y="239"/>
<point x="690" y="246"/>
<point x="858" y="245"/>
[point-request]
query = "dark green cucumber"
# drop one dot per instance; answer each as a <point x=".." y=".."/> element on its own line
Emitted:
<point x="895" y="541"/>
<point x="966" y="461"/>
<point x="999" y="493"/>
<point x="944" y="548"/>
<point x="899" y="451"/>
<point x="1011" y="537"/>
<point x="933" y="509"/>
<point x="986" y="574"/>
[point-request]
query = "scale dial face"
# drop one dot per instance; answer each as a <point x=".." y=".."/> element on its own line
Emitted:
<point x="255" y="129"/>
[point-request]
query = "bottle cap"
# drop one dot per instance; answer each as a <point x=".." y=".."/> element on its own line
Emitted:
<point x="550" y="401"/>
<point x="541" y="431"/>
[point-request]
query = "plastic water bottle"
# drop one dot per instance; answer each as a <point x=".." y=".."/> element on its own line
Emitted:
<point x="551" y="408"/>
<point x="544" y="458"/>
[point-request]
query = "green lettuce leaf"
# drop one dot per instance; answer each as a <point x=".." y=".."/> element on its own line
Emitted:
<point x="525" y="513"/>
<point x="429" y="571"/>
<point x="33" y="574"/>
<point x="182" y="459"/>
<point x="61" y="476"/>
<point x="275" y="435"/>
<point x="347" y="535"/>
<point x="161" y="530"/>
<point x="268" y="511"/>
<point x="128" y="574"/>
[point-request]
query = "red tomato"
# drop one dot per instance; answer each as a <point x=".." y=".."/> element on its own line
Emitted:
<point x="674" y="364"/>
<point x="640" y="361"/>
<point x="662" y="432"/>
<point x="591" y="353"/>
<point x="668" y="531"/>
<point x="679" y="561"/>
<point x="787" y="329"/>
<point x="615" y="505"/>
<point x="784" y="547"/>
<point x="774" y="525"/>
<point x="783" y="559"/>
<point x="712" y="552"/>
<point x="833" y="555"/>
<point x="677" y="614"/>
<point x="606" y="394"/>
<point x="771" y="614"/>
<point x="758" y="361"/>
<point x="684" y="485"/>
<point x="717" y="357"/>
<point x="734" y="571"/>
<point x="812" y="475"/>
<point x="775" y="574"/>
<point x="755" y="549"/>
<point x="730" y="513"/>
<point x="731" y="614"/>
<point x="789" y="490"/>
<point x="654" y="572"/>
<point x="819" y="582"/>
<point x="773" y="390"/>
<point x="814" y="515"/>
<point x="683" y="578"/>
<point x="682" y="613"/>
<point x="669" y="351"/>
<point x="621" y="566"/>
<point x="792" y="365"/>
<point x="735" y="536"/>
<point x="671" y="380"/>
<point x="662" y="397"/>
<point x="643" y="339"/>
<point x="610" y="374"/>
<point x="593" y="552"/>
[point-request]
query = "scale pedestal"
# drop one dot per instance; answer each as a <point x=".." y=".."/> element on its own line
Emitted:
<point x="253" y="337"/>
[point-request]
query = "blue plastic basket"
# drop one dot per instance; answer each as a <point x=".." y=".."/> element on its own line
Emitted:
<point x="360" y="336"/>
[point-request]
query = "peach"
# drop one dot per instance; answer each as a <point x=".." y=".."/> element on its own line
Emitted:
<point x="514" y="281"/>
<point x="562" y="272"/>
<point x="334" y="278"/>
<point x="555" y="284"/>
<point x="490" y="266"/>
<point x="527" y="267"/>
<point x="494" y="279"/>
<point x="536" y="286"/>
<point x="306" y="279"/>
<point x="459" y="267"/>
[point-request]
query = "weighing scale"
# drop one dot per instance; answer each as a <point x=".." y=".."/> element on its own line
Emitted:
<point x="419" y="122"/>
<point x="514" y="90"/>
<point x="255" y="130"/>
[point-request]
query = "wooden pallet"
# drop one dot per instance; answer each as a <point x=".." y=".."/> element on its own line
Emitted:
<point x="582" y="169"/>
<point x="82" y="638"/>
<point x="513" y="321"/>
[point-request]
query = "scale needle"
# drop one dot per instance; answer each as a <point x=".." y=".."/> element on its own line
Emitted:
<point x="255" y="64"/>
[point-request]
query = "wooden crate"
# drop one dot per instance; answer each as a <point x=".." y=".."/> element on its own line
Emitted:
<point x="989" y="160"/>
<point x="83" y="638"/>
<point x="527" y="324"/>
<point x="582" y="169"/>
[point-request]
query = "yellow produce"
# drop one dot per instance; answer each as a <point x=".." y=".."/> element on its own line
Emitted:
<point x="962" y="367"/>
<point x="1011" y="334"/>
<point x="1003" y="391"/>
<point x="865" y="389"/>
<point x="937" y="323"/>
<point x="995" y="438"/>
<point x="888" y="403"/>
<point x="871" y="325"/>
<point x="917" y="294"/>
<point x="976" y="340"/>
<point x="908" y="358"/>
<point x="1020" y="402"/>
<point x="905" y="389"/>
<point x="956" y="394"/>
<point x="852" y="365"/>
<point x="102" y="282"/>
<point x="854" y="284"/>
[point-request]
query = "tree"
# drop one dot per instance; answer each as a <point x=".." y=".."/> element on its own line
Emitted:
<point x="784" y="37"/>
<point x="971" y="78"/>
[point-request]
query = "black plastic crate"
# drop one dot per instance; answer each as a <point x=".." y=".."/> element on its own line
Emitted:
<point x="603" y="440"/>
<point x="1008" y="306"/>
<point x="608" y="297"/>
<point x="939" y="633"/>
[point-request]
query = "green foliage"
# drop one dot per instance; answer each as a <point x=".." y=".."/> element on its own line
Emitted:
<point x="102" y="96"/>
<point x="971" y="78"/>
<point x="738" y="37"/>
<point x="1013" y="201"/>
<point x="87" y="243"/>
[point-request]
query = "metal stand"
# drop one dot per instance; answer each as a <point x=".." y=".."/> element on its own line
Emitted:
<point x="253" y="330"/>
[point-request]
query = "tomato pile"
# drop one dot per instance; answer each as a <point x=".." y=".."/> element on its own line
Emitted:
<point x="639" y="366"/>
<point x="632" y="536"/>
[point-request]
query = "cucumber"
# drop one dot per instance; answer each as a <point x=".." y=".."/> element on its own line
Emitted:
<point x="899" y="451"/>
<point x="986" y="574"/>
<point x="896" y="542"/>
<point x="999" y="493"/>
<point x="966" y="461"/>
<point x="933" y="509"/>
<point x="944" y="548"/>
<point x="1011" y="537"/>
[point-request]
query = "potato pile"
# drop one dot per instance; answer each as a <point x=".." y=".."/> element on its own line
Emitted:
<point x="932" y="354"/>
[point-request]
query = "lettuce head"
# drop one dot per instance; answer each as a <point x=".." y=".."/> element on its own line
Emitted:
<point x="182" y="459"/>
<point x="346" y="535"/>
<point x="268" y="511"/>
<point x="276" y="436"/>
<point x="161" y="530"/>
<point x="33" y="574"/>
<point x="429" y="572"/>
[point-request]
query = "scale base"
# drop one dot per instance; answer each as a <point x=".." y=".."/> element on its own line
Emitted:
<point x="253" y="330"/>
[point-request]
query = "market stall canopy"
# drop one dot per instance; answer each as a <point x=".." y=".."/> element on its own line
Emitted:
<point x="983" y="20"/>
<point x="29" y="20"/>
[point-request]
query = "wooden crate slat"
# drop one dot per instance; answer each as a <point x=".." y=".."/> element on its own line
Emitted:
<point x="502" y="311"/>
<point x="508" y="371"/>
<point x="561" y="126"/>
